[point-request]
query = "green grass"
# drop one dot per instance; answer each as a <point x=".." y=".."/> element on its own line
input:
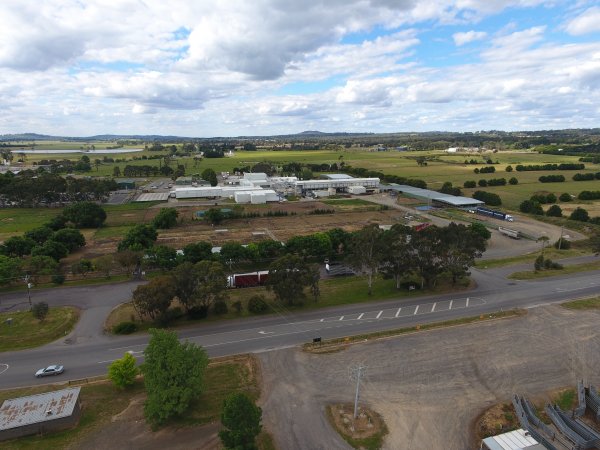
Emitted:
<point x="27" y="332"/>
<point x="334" y="292"/>
<point x="566" y="399"/>
<point x="529" y="258"/>
<point x="567" y="270"/>
<point x="583" y="304"/>
<point x="15" y="221"/>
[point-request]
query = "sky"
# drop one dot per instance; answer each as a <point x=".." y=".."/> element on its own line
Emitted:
<point x="203" y="68"/>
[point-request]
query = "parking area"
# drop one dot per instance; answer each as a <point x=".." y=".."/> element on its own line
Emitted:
<point x="430" y="387"/>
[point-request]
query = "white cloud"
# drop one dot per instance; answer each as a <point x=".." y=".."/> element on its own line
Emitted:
<point x="586" y="22"/>
<point x="463" y="38"/>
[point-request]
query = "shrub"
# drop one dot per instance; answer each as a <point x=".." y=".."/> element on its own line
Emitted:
<point x="220" y="307"/>
<point x="486" y="170"/>
<point x="509" y="168"/>
<point x="589" y="195"/>
<point x="489" y="198"/>
<point x="513" y="181"/>
<point x="40" y="310"/>
<point x="124" y="328"/>
<point x="237" y="306"/>
<point x="198" y="312"/>
<point x="554" y="211"/>
<point x="564" y="244"/>
<point x="565" y="197"/>
<point x="551" y="179"/>
<point x="497" y="182"/>
<point x="257" y="304"/>
<point x="580" y="214"/>
<point x="482" y="183"/>
<point x="469" y="184"/>
<point x="549" y="264"/>
<point x="58" y="278"/>
<point x="551" y="198"/>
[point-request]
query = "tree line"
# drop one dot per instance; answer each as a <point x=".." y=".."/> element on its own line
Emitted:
<point x="33" y="189"/>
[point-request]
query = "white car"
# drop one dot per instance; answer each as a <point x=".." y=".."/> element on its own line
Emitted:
<point x="50" y="370"/>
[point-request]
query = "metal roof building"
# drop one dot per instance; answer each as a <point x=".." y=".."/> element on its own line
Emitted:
<point x="437" y="198"/>
<point x="37" y="414"/>
<point x="513" y="440"/>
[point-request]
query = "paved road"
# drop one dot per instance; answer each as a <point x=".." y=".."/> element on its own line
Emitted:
<point x="87" y="352"/>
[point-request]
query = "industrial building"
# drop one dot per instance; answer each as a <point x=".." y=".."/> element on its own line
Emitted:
<point x="39" y="414"/>
<point x="434" y="198"/>
<point x="259" y="188"/>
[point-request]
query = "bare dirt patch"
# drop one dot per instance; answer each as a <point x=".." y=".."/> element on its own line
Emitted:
<point x="364" y="431"/>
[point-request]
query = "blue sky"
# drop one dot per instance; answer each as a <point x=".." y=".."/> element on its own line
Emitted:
<point x="77" y="67"/>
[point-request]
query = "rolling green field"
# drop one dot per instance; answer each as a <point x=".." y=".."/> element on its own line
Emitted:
<point x="441" y="167"/>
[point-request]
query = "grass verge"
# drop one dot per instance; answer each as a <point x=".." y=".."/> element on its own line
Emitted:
<point x="530" y="258"/>
<point x="334" y="292"/>
<point x="102" y="401"/>
<point x="26" y="331"/>
<point x="583" y="304"/>
<point x="567" y="270"/>
<point x="330" y="345"/>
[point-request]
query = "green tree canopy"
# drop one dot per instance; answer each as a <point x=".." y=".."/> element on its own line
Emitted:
<point x="197" y="251"/>
<point x="53" y="249"/>
<point x="242" y="421"/>
<point x="17" y="246"/>
<point x="211" y="176"/>
<point x="85" y="214"/>
<point x="166" y="218"/>
<point x="365" y="253"/>
<point x="40" y="234"/>
<point x="288" y="277"/>
<point x="10" y="269"/>
<point x="140" y="237"/>
<point x="580" y="214"/>
<point x="173" y="376"/>
<point x="70" y="238"/>
<point x="122" y="372"/>
<point x="36" y="266"/>
<point x="154" y="299"/>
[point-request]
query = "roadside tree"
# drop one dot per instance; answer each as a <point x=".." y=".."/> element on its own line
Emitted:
<point x="365" y="252"/>
<point x="154" y="299"/>
<point x="122" y="372"/>
<point x="197" y="251"/>
<point x="211" y="176"/>
<point x="173" y="376"/>
<point x="82" y="267"/>
<point x="9" y="269"/>
<point x="395" y="264"/>
<point x="37" y="266"/>
<point x="288" y="276"/>
<point x="242" y="421"/>
<point x="460" y="246"/>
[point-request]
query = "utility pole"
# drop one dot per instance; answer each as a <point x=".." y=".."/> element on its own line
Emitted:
<point x="29" y="286"/>
<point x="357" y="373"/>
<point x="562" y="228"/>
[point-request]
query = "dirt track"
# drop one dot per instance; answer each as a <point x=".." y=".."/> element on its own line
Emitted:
<point x="430" y="387"/>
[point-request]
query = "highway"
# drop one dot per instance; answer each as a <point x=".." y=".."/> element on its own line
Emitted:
<point x="88" y="352"/>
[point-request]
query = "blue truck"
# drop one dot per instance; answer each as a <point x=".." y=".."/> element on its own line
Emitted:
<point x="495" y="214"/>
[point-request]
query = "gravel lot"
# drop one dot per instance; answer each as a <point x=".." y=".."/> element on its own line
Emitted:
<point x="430" y="387"/>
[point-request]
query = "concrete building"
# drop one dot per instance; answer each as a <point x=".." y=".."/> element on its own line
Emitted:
<point x="39" y="414"/>
<point x="340" y="182"/>
<point x="183" y="181"/>
<point x="126" y="184"/>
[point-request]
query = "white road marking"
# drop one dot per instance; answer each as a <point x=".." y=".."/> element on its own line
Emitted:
<point x="450" y="307"/>
<point x="379" y="315"/>
<point x="322" y="320"/>
<point x="266" y="332"/>
<point x="433" y="307"/>
<point x="2" y="370"/>
<point x="360" y="316"/>
<point x="398" y="312"/>
<point x="342" y="318"/>
<point x="467" y="305"/>
<point x="416" y="310"/>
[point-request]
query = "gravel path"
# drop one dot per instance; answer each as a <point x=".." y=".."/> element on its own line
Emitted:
<point x="431" y="386"/>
